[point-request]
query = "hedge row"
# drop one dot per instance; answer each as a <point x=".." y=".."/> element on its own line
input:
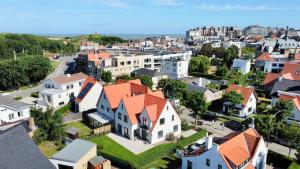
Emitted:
<point x="188" y="140"/>
<point x="205" y="75"/>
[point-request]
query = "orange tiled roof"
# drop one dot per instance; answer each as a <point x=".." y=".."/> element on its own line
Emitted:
<point x="73" y="77"/>
<point x="264" y="57"/>
<point x="240" y="148"/>
<point x="291" y="71"/>
<point x="294" y="99"/>
<point x="270" y="77"/>
<point x="244" y="91"/>
<point x="87" y="80"/>
<point x="297" y="56"/>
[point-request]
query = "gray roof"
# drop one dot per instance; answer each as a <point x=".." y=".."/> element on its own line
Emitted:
<point x="97" y="160"/>
<point x="292" y="86"/>
<point x="72" y="130"/>
<point x="12" y="103"/>
<point x="147" y="72"/>
<point x="74" y="151"/>
<point x="202" y="89"/>
<point x="18" y="151"/>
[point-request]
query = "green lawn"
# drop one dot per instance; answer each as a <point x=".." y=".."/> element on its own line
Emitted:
<point x="64" y="109"/>
<point x="48" y="148"/>
<point x="294" y="165"/>
<point x="54" y="65"/>
<point x="164" y="163"/>
<point x="84" y="130"/>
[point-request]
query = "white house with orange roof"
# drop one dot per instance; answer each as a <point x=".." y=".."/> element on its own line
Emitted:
<point x="88" y="96"/>
<point x="138" y="111"/>
<point x="245" y="150"/>
<point x="273" y="62"/>
<point x="60" y="90"/>
<point x="248" y="105"/>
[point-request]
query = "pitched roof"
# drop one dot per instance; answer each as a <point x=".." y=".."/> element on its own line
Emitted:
<point x="74" y="151"/>
<point x="86" y="87"/>
<point x="69" y="78"/>
<point x="12" y="103"/>
<point x="116" y="92"/>
<point x="147" y="72"/>
<point x="244" y="91"/>
<point x="97" y="56"/>
<point x="264" y="57"/>
<point x="297" y="56"/>
<point x="270" y="78"/>
<point x="291" y="71"/>
<point x="19" y="151"/>
<point x="240" y="147"/>
<point x="292" y="86"/>
<point x="294" y="99"/>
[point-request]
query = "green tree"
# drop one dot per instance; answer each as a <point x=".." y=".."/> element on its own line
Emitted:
<point x="207" y="50"/>
<point x="196" y="101"/>
<point x="125" y="77"/>
<point x="232" y="98"/>
<point x="298" y="153"/>
<point x="222" y="71"/>
<point x="292" y="135"/>
<point x="248" y="52"/>
<point x="146" y="81"/>
<point x="173" y="88"/>
<point x="259" y="77"/>
<point x="230" y="54"/>
<point x="106" y="76"/>
<point x="283" y="109"/>
<point x="199" y="64"/>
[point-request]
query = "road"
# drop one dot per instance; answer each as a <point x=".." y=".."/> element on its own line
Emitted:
<point x="62" y="68"/>
<point x="219" y="131"/>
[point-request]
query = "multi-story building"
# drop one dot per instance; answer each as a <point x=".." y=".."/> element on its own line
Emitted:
<point x="137" y="111"/>
<point x="241" y="65"/>
<point x="60" y="90"/>
<point x="12" y="112"/>
<point x="245" y="149"/>
<point x="273" y="62"/>
<point x="175" y="68"/>
<point x="255" y="30"/>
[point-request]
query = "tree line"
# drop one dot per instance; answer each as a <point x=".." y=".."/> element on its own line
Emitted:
<point x="23" y="71"/>
<point x="105" y="40"/>
<point x="25" y="44"/>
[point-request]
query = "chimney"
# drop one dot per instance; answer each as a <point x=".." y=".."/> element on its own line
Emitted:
<point x="252" y="125"/>
<point x="280" y="78"/>
<point x="208" y="142"/>
<point x="68" y="75"/>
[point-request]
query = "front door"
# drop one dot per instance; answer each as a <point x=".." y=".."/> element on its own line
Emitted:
<point x="119" y="129"/>
<point x="144" y="134"/>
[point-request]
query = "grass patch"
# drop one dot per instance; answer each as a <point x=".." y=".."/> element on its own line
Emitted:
<point x="294" y="165"/>
<point x="28" y="86"/>
<point x="54" y="65"/>
<point x="84" y="130"/>
<point x="277" y="160"/>
<point x="164" y="163"/>
<point x="188" y="140"/>
<point x="18" y="98"/>
<point x="48" y="148"/>
<point x="64" y="109"/>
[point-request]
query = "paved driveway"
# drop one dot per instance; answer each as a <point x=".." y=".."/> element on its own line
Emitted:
<point x="136" y="147"/>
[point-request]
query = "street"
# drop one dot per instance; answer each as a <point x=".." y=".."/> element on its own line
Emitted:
<point x="61" y="69"/>
<point x="218" y="130"/>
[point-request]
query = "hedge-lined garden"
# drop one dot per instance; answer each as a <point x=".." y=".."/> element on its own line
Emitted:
<point x="124" y="158"/>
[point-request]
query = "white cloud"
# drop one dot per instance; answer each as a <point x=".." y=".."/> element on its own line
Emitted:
<point x="214" y="7"/>
<point x="110" y="3"/>
<point x="167" y="2"/>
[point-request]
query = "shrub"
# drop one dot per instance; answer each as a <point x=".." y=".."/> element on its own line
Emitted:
<point x="64" y="109"/>
<point x="188" y="140"/>
<point x="18" y="98"/>
<point x="171" y="137"/>
<point x="185" y="126"/>
<point x="35" y="94"/>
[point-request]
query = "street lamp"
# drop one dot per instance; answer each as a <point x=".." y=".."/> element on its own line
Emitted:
<point x="269" y="132"/>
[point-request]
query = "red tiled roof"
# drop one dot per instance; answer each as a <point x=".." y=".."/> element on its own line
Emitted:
<point x="96" y="57"/>
<point x="90" y="80"/>
<point x="240" y="148"/>
<point x="69" y="78"/>
<point x="244" y="91"/>
<point x="264" y="57"/>
<point x="270" y="77"/>
<point x="291" y="71"/>
<point x="294" y="99"/>
<point x="297" y="56"/>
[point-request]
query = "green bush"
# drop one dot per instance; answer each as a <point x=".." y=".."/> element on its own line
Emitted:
<point x="205" y="75"/>
<point x="278" y="160"/>
<point x="294" y="165"/>
<point x="64" y="109"/>
<point x="35" y="94"/>
<point x="18" y="98"/>
<point x="188" y="140"/>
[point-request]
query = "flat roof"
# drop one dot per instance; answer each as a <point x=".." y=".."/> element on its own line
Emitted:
<point x="74" y="151"/>
<point x="51" y="91"/>
<point x="100" y="118"/>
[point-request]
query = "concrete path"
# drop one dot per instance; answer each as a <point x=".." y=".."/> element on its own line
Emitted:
<point x="136" y="147"/>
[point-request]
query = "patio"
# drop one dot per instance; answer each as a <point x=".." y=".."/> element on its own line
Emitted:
<point x="137" y="146"/>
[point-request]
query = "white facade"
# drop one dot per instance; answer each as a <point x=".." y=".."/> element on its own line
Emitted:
<point x="90" y="100"/>
<point x="9" y="114"/>
<point x="241" y="65"/>
<point x="175" y="69"/>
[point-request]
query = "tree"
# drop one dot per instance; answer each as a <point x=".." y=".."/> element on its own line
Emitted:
<point x="231" y="53"/>
<point x="292" y="135"/>
<point x="50" y="124"/>
<point x="125" y="77"/>
<point x="199" y="64"/>
<point x="232" y="98"/>
<point x="298" y="153"/>
<point x="196" y="101"/>
<point x="146" y="81"/>
<point x="106" y="76"/>
<point x="248" y="52"/>
<point x="284" y="109"/>
<point x="207" y="50"/>
<point x="259" y="77"/>
<point x="222" y="71"/>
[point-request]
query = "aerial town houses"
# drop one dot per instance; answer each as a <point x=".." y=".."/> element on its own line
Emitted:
<point x="134" y="113"/>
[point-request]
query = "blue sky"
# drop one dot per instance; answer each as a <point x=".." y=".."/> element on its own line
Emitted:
<point x="141" y="16"/>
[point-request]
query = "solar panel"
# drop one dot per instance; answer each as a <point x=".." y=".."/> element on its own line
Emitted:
<point x="85" y="90"/>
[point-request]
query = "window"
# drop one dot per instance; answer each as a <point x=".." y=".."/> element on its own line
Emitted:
<point x="250" y="109"/>
<point x="167" y="107"/>
<point x="20" y="114"/>
<point x="122" y="106"/>
<point x="128" y="62"/>
<point x="68" y="87"/>
<point x="120" y="116"/>
<point x="80" y="83"/>
<point x="125" y="119"/>
<point x="72" y="86"/>
<point x="207" y="162"/>
<point x="175" y="128"/>
<point x="189" y="165"/>
<point x="162" y="121"/>
<point x="160" y="134"/>
<point x="173" y="117"/>
<point x="107" y="109"/>
<point x="219" y="166"/>
<point x="274" y="64"/>
<point x="11" y="116"/>
<point x="59" y="96"/>
<point x="102" y="107"/>
<point x="104" y="96"/>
